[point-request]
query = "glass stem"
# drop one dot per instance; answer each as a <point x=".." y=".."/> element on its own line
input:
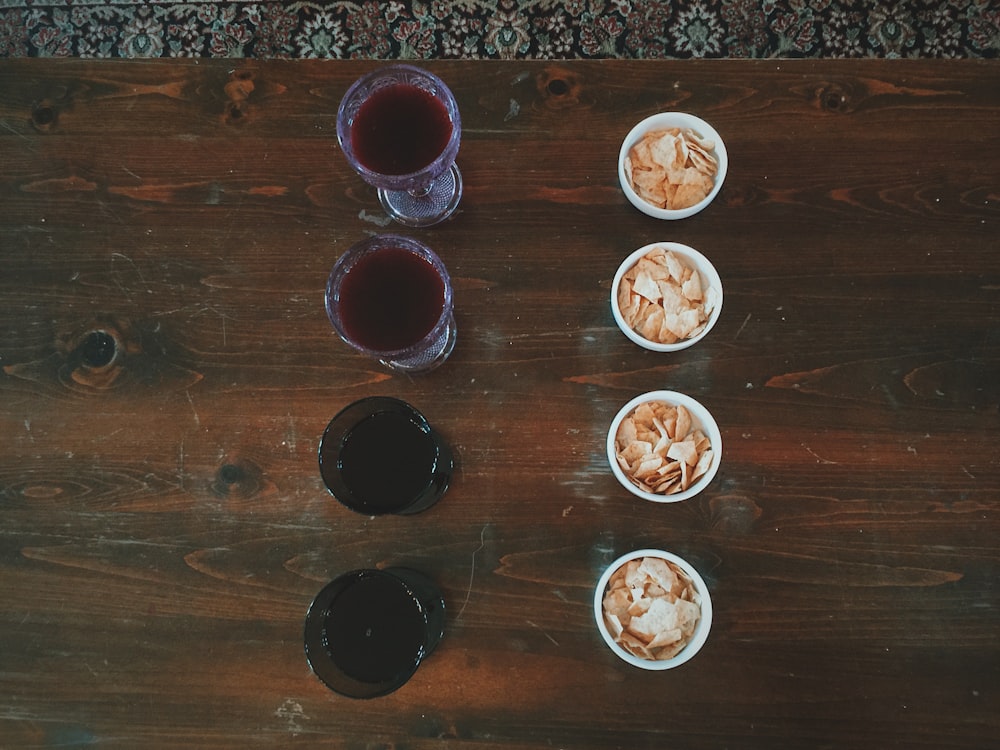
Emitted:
<point x="423" y="190"/>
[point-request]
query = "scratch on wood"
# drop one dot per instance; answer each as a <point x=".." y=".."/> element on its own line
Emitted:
<point x="116" y="255"/>
<point x="472" y="572"/>
<point x="6" y="126"/>
<point x="116" y="275"/>
<point x="180" y="463"/>
<point x="291" y="435"/>
<point x="542" y="632"/>
<point x="742" y="326"/>
<point x="123" y="256"/>
<point x="205" y="309"/>
<point x="194" y="411"/>
<point x="815" y="455"/>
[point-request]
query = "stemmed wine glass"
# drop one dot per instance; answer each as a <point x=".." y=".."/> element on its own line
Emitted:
<point x="391" y="298"/>
<point x="400" y="130"/>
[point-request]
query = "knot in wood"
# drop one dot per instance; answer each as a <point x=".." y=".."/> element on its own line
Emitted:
<point x="95" y="355"/>
<point x="238" y="477"/>
<point x="559" y="88"/>
<point x="834" y="97"/>
<point x="44" y="116"/>
<point x="98" y="349"/>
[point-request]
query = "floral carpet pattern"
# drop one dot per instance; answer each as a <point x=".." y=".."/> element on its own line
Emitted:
<point x="501" y="29"/>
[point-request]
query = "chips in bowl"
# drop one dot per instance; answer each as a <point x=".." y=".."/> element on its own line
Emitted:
<point x="672" y="168"/>
<point x="653" y="609"/>
<point x="666" y="296"/>
<point x="664" y="446"/>
<point x="672" y="165"/>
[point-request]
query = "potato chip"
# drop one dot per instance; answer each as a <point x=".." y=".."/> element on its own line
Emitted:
<point x="663" y="299"/>
<point x="651" y="608"/>
<point x="660" y="450"/>
<point x="673" y="168"/>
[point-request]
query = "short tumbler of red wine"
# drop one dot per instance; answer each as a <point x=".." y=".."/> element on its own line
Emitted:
<point x="390" y="297"/>
<point x="379" y="456"/>
<point x="400" y="130"/>
<point x="368" y="630"/>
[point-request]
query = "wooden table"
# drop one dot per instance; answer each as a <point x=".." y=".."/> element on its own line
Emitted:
<point x="164" y="526"/>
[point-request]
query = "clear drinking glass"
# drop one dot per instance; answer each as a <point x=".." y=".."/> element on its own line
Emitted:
<point x="368" y="630"/>
<point x="400" y="129"/>
<point x="390" y="297"/>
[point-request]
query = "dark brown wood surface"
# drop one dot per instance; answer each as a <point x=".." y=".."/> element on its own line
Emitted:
<point x="163" y="526"/>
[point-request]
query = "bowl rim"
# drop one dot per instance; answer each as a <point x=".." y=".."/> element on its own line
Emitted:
<point x="701" y="631"/>
<point x="665" y="119"/>
<point x="703" y="418"/>
<point x="702" y="264"/>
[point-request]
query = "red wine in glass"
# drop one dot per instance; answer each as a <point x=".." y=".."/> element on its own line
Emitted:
<point x="367" y="631"/>
<point x="379" y="455"/>
<point x="390" y="297"/>
<point x="400" y="129"/>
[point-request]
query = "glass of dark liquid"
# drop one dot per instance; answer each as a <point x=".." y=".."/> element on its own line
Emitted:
<point x="368" y="630"/>
<point x="400" y="130"/>
<point x="390" y="297"/>
<point x="379" y="456"/>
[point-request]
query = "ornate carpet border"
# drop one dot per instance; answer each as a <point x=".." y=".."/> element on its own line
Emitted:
<point x="501" y="29"/>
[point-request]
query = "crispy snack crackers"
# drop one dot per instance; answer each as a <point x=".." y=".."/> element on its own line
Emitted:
<point x="672" y="168"/>
<point x="663" y="299"/>
<point x="659" y="450"/>
<point x="651" y="608"/>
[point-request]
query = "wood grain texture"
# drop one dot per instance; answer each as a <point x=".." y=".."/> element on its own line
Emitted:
<point x="164" y="523"/>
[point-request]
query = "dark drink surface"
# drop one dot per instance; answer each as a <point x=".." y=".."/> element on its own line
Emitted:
<point x="400" y="129"/>
<point x="387" y="461"/>
<point x="375" y="630"/>
<point x="390" y="299"/>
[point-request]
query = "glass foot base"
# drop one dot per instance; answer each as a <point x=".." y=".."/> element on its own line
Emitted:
<point x="432" y="357"/>
<point x="413" y="208"/>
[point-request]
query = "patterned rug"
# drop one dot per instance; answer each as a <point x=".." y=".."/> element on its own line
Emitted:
<point x="501" y="29"/>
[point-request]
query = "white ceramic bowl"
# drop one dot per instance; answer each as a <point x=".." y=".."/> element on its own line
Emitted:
<point x="709" y="279"/>
<point x="701" y="418"/>
<point x="701" y="630"/>
<point x="672" y="120"/>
